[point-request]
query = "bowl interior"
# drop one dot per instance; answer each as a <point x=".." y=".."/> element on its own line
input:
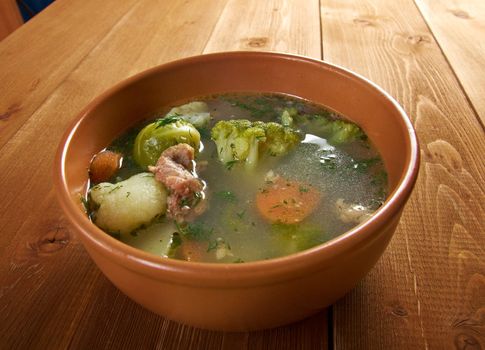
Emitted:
<point x="134" y="99"/>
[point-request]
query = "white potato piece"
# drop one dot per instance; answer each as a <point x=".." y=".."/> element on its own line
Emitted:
<point x="196" y="113"/>
<point x="355" y="213"/>
<point x="155" y="239"/>
<point x="126" y="205"/>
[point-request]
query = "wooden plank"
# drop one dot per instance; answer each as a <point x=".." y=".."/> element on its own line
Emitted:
<point x="459" y="28"/>
<point x="286" y="26"/>
<point x="38" y="56"/>
<point x="273" y="25"/>
<point x="47" y="281"/>
<point x="427" y="290"/>
<point x="10" y="18"/>
<point x="311" y="333"/>
<point x="38" y="253"/>
<point x="120" y="54"/>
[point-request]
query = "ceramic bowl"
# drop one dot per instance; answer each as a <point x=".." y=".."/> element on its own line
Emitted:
<point x="255" y="295"/>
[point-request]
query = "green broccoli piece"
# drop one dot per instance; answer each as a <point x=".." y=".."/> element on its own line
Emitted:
<point x="340" y="131"/>
<point x="280" y="139"/>
<point x="288" y="239"/>
<point x="240" y="140"/>
<point x="287" y="116"/>
<point x="336" y="131"/>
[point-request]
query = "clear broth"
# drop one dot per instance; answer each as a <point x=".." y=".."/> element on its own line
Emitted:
<point x="353" y="172"/>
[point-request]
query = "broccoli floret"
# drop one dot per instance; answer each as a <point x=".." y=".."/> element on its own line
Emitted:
<point x="336" y="131"/>
<point x="340" y="131"/>
<point x="243" y="141"/>
<point x="287" y="116"/>
<point x="280" y="139"/>
<point x="288" y="239"/>
<point x="238" y="140"/>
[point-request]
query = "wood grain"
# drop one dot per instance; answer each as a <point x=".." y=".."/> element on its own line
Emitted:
<point x="459" y="28"/>
<point x="118" y="55"/>
<point x="10" y="18"/>
<point x="273" y="25"/>
<point x="72" y="304"/>
<point x="38" y="56"/>
<point x="45" y="293"/>
<point x="427" y="291"/>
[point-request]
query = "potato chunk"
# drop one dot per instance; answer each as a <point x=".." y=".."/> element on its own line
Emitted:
<point x="196" y="113"/>
<point x="126" y="205"/>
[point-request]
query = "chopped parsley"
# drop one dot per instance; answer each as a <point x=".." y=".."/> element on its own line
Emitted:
<point x="191" y="202"/>
<point x="303" y="189"/>
<point x="85" y="203"/>
<point x="380" y="179"/>
<point x="175" y="242"/>
<point x="115" y="188"/>
<point x="230" y="164"/>
<point x="227" y="195"/>
<point x="167" y="120"/>
<point x="212" y="245"/>
<point x="197" y="231"/>
<point x="115" y="234"/>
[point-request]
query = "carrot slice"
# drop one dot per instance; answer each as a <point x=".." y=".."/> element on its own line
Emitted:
<point x="193" y="250"/>
<point x="287" y="202"/>
<point x="104" y="165"/>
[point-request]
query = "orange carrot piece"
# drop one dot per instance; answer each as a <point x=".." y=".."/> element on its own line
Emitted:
<point x="104" y="165"/>
<point x="287" y="202"/>
<point x="193" y="250"/>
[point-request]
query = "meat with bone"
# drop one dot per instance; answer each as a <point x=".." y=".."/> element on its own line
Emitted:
<point x="174" y="170"/>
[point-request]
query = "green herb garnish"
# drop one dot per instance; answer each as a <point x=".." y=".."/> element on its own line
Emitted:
<point x="115" y="234"/>
<point x="196" y="231"/>
<point x="115" y="188"/>
<point x="230" y="164"/>
<point x="167" y="120"/>
<point x="212" y="245"/>
<point x="226" y="195"/>
<point x="303" y="189"/>
<point x="380" y="179"/>
<point x="175" y="242"/>
<point x="85" y="203"/>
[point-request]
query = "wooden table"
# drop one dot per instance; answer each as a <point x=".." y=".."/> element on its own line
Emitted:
<point x="428" y="289"/>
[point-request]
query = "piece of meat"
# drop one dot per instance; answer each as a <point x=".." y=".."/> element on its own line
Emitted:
<point x="352" y="212"/>
<point x="186" y="199"/>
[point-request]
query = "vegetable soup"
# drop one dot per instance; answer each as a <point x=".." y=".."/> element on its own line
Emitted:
<point x="236" y="178"/>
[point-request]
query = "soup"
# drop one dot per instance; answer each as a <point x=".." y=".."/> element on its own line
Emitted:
<point x="236" y="178"/>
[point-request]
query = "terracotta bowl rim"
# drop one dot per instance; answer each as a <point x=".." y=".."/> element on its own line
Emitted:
<point x="250" y="273"/>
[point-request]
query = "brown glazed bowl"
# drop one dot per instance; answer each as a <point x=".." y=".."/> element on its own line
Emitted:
<point x="255" y="295"/>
